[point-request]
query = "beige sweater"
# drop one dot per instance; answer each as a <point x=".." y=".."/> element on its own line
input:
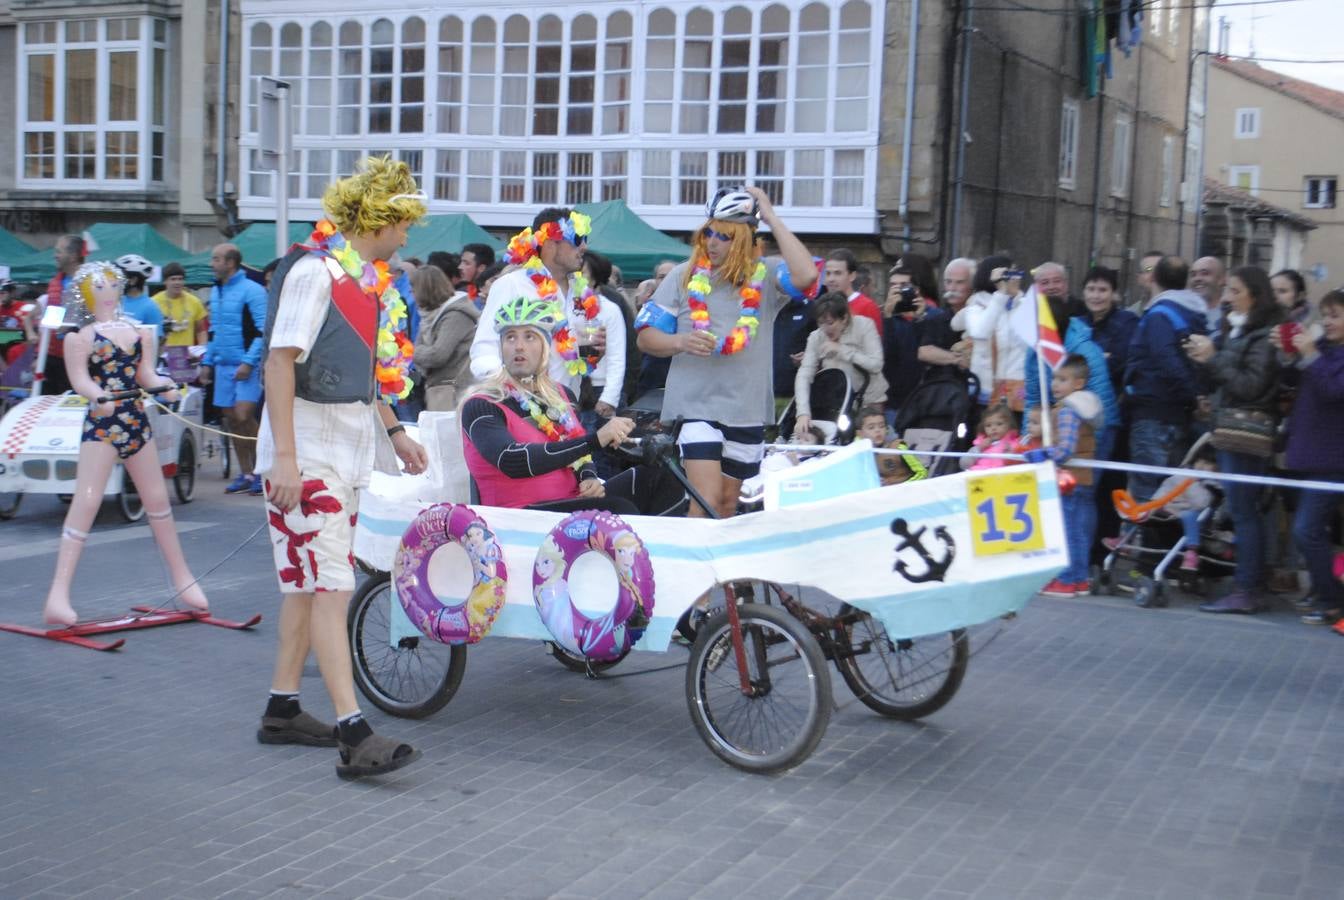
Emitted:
<point x="859" y="348"/>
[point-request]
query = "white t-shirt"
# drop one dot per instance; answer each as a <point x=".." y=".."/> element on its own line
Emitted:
<point x="346" y="437"/>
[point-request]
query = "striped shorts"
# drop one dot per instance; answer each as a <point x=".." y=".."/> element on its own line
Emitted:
<point x="737" y="448"/>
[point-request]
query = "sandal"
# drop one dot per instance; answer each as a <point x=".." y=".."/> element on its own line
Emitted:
<point x="375" y="755"/>
<point x="301" y="729"/>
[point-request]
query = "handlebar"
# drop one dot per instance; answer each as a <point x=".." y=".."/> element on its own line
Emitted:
<point x="660" y="449"/>
<point x="138" y="392"/>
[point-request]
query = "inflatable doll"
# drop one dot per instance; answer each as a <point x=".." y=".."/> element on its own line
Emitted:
<point x="112" y="353"/>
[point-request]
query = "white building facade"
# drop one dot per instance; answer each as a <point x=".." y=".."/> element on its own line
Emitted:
<point x="501" y="109"/>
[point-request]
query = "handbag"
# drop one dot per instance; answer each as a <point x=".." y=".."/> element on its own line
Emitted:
<point x="1247" y="431"/>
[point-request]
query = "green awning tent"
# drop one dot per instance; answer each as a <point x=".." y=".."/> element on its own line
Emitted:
<point x="446" y="232"/>
<point x="257" y="241"/>
<point x="109" y="240"/>
<point x="630" y="242"/>
<point x="11" y="248"/>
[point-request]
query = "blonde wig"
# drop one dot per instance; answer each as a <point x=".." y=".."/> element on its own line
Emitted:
<point x="740" y="262"/>
<point x="91" y="273"/>
<point x="496" y="386"/>
<point x="382" y="192"/>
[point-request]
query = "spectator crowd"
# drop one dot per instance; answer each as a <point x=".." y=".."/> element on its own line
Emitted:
<point x="1234" y="372"/>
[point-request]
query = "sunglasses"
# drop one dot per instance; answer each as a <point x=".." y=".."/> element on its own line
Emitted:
<point x="717" y="235"/>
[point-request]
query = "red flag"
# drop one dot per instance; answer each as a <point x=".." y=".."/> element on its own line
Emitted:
<point x="1048" y="342"/>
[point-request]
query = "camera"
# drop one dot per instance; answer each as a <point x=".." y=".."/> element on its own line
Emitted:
<point x="909" y="295"/>
<point x="1010" y="274"/>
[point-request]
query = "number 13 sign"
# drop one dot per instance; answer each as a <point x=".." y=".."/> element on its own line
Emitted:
<point x="1005" y="513"/>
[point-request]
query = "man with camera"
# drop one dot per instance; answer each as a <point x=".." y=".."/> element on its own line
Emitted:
<point x="916" y="335"/>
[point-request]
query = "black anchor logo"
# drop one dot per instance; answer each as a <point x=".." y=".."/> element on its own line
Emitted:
<point x="937" y="568"/>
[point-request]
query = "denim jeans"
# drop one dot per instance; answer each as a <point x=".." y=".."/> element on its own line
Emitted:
<point x="1311" y="532"/>
<point x="1152" y="443"/>
<point x="1190" y="528"/>
<point x="1080" y="525"/>
<point x="1243" y="504"/>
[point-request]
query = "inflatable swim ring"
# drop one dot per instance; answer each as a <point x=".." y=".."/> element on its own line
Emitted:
<point x="466" y="621"/>
<point x="612" y="634"/>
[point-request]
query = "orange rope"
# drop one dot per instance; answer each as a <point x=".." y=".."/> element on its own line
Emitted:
<point x="1132" y="510"/>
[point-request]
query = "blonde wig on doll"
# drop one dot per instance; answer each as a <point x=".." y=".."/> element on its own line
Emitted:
<point x="382" y="192"/>
<point x="92" y="274"/>
<point x="740" y="262"/>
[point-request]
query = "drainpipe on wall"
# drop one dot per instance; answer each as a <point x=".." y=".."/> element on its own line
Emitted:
<point x="222" y="120"/>
<point x="1096" y="175"/>
<point x="908" y="139"/>
<point x="954" y="241"/>
<point x="1203" y="129"/>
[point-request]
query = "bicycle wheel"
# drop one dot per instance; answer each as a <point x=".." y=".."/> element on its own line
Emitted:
<point x="904" y="679"/>
<point x="414" y="678"/>
<point x="779" y="721"/>
<point x="577" y="663"/>
<point x="128" y="501"/>
<point x="184" y="479"/>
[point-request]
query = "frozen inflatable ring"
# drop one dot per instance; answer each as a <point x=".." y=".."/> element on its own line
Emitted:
<point x="612" y="634"/>
<point x="465" y="621"/>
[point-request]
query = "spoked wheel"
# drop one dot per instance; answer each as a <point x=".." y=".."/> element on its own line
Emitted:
<point x="184" y="480"/>
<point x="128" y="501"/>
<point x="778" y="720"/>
<point x="413" y="678"/>
<point x="576" y="663"/>
<point x="9" y="504"/>
<point x="906" y="678"/>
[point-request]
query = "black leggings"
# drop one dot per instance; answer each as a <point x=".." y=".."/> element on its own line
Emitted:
<point x="641" y="491"/>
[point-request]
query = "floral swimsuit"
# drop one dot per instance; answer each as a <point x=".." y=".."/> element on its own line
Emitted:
<point x="113" y="369"/>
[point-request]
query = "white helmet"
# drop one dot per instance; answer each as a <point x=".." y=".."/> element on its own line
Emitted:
<point x="733" y="205"/>
<point x="135" y="264"/>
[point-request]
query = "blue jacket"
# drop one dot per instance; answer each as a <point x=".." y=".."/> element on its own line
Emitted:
<point x="227" y="302"/>
<point x="1078" y="339"/>
<point x="1316" y="426"/>
<point x="1160" y="380"/>
<point x="1113" y="335"/>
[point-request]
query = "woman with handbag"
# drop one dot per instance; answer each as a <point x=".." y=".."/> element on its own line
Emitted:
<point x="443" y="344"/>
<point x="1243" y="368"/>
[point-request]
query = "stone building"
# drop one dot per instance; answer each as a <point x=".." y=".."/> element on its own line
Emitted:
<point x="1050" y="173"/>
<point x="112" y="110"/>
<point x="501" y="108"/>
<point x="1244" y="230"/>
<point x="1278" y="139"/>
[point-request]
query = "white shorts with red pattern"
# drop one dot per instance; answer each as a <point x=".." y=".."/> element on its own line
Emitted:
<point x="312" y="542"/>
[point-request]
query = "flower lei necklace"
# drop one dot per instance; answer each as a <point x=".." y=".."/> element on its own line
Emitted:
<point x="748" y="320"/>
<point x="392" y="348"/>
<point x="555" y="423"/>
<point x="525" y="250"/>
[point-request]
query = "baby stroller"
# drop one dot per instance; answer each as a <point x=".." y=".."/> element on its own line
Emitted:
<point x="835" y="407"/>
<point x="1152" y="540"/>
<point x="937" y="416"/>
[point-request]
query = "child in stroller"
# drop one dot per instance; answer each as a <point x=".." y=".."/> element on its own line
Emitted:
<point x="938" y="416"/>
<point x="1179" y="523"/>
<point x="835" y="407"/>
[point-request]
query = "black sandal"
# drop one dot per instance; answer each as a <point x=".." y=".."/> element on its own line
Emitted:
<point x="375" y="755"/>
<point x="301" y="729"/>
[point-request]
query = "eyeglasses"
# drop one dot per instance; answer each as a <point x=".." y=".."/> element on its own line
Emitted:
<point x="717" y="235"/>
